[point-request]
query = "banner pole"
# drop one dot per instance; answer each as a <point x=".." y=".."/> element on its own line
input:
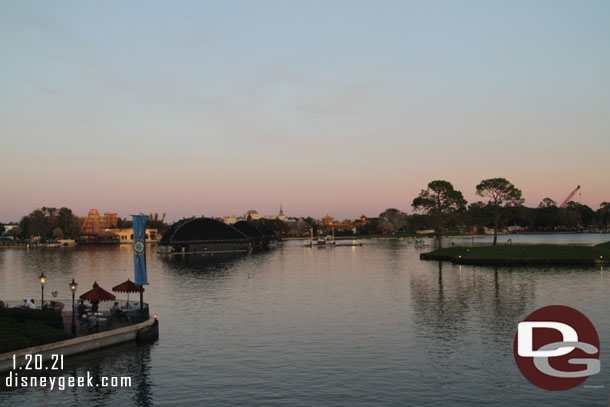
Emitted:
<point x="141" y="304"/>
<point x="139" y="256"/>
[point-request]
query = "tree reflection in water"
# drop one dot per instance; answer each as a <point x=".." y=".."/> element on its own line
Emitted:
<point x="467" y="299"/>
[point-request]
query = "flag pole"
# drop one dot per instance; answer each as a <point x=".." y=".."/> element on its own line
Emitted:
<point x="139" y="258"/>
<point x="141" y="304"/>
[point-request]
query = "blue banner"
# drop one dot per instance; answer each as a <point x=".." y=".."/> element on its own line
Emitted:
<point x="139" y="249"/>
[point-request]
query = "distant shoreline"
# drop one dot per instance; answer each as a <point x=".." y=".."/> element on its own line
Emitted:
<point x="432" y="236"/>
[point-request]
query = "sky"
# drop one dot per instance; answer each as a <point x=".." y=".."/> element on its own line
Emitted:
<point x="342" y="107"/>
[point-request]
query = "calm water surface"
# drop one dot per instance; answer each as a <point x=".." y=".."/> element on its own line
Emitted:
<point x="370" y="325"/>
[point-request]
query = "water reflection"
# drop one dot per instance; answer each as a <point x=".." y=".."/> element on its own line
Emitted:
<point x="144" y="394"/>
<point x="457" y="299"/>
<point x="198" y="262"/>
<point x="128" y="360"/>
<point x="371" y="325"/>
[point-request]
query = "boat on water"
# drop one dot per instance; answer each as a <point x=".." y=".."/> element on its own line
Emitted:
<point x="353" y="243"/>
<point x="421" y="243"/>
<point x="329" y="241"/>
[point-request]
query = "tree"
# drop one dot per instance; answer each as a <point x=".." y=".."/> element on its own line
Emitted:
<point x="43" y="223"/>
<point x="477" y="216"/>
<point x="68" y="223"/>
<point x="156" y="222"/>
<point x="35" y="224"/>
<point x="15" y="232"/>
<point x="124" y="223"/>
<point x="58" y="233"/>
<point x="585" y="215"/>
<point x="303" y="227"/>
<point x="2" y="229"/>
<point x="312" y="224"/>
<point x="371" y="227"/>
<point x="546" y="216"/>
<point x="604" y="213"/>
<point x="279" y="227"/>
<point x="502" y="194"/>
<point x="24" y="227"/>
<point x="547" y="203"/>
<point x="392" y="220"/>
<point x="418" y="221"/>
<point x="440" y="201"/>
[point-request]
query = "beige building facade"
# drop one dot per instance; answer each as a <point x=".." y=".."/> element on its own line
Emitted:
<point x="126" y="234"/>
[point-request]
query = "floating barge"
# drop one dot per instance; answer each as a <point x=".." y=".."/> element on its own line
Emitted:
<point x="208" y="236"/>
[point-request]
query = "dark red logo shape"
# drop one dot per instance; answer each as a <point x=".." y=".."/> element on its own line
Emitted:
<point x="541" y="336"/>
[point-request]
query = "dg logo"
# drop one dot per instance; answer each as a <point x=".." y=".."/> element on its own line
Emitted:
<point x="557" y="348"/>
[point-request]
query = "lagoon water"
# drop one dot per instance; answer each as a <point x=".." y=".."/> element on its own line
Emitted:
<point x="349" y="326"/>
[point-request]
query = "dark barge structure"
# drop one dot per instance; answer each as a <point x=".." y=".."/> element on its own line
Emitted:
<point x="211" y="236"/>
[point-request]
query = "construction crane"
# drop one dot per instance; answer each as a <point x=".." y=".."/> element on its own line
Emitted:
<point x="569" y="198"/>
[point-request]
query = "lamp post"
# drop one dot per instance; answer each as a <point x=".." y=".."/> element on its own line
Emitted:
<point x="73" y="286"/>
<point x="43" y="280"/>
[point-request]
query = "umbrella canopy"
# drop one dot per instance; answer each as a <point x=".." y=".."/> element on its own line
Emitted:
<point x="127" y="287"/>
<point x="97" y="294"/>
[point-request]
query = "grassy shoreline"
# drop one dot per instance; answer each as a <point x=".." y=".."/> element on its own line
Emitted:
<point x="517" y="254"/>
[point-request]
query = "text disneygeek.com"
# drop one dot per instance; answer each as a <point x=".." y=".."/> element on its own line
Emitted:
<point x="16" y="380"/>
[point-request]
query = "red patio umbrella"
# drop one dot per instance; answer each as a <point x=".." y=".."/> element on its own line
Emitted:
<point x="127" y="287"/>
<point x="97" y="294"/>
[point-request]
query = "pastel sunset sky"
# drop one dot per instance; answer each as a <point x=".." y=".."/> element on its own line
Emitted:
<point x="340" y="107"/>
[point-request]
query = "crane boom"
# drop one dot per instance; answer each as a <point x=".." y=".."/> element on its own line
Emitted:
<point x="569" y="198"/>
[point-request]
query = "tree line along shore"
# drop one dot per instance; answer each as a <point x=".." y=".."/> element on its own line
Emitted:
<point x="439" y="209"/>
